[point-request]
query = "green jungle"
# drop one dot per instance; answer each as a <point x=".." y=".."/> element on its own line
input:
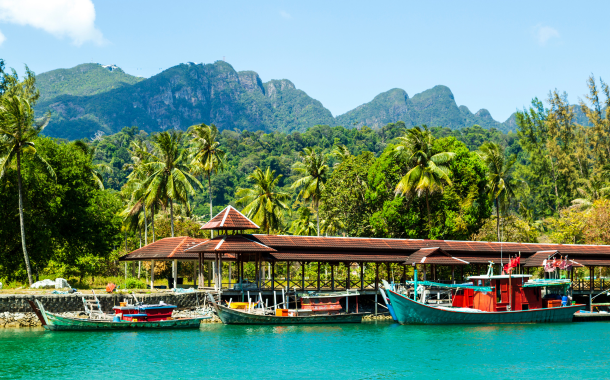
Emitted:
<point x="72" y="208"/>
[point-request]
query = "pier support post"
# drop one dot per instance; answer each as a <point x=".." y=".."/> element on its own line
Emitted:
<point x="273" y="279"/>
<point x="288" y="274"/>
<point x="376" y="284"/>
<point x="230" y="275"/>
<point x="361" y="276"/>
<point x="375" y="303"/>
<point x="348" y="279"/>
<point x="175" y="272"/>
<point x="318" y="276"/>
<point x="332" y="276"/>
<point x="209" y="274"/>
<point x="303" y="275"/>
<point x="152" y="274"/>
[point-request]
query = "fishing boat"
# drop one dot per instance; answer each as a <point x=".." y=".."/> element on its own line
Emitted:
<point x="316" y="308"/>
<point x="146" y="317"/>
<point x="495" y="299"/>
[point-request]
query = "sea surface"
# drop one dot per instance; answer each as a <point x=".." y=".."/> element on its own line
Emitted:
<point x="374" y="350"/>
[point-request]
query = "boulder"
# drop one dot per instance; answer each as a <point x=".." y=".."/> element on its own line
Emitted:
<point x="43" y="284"/>
<point x="61" y="283"/>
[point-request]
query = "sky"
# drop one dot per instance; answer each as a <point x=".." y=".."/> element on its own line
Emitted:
<point x="493" y="55"/>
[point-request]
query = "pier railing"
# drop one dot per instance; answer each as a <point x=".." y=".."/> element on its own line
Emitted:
<point x="586" y="285"/>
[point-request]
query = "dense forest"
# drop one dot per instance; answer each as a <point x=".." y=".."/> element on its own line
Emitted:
<point x="73" y="207"/>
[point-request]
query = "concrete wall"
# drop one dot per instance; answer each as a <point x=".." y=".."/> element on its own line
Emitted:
<point x="60" y="303"/>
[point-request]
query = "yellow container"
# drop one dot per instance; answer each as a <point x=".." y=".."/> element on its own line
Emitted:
<point x="123" y="304"/>
<point x="238" y="305"/>
<point x="134" y="319"/>
<point x="279" y="312"/>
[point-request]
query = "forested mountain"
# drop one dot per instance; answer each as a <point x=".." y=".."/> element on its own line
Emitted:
<point x="90" y="98"/>
<point x="83" y="80"/>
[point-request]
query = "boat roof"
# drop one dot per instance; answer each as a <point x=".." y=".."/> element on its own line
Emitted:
<point x="500" y="276"/>
<point x="469" y="285"/>
<point x="346" y="293"/>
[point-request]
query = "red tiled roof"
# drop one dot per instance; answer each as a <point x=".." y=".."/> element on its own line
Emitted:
<point x="230" y="219"/>
<point x="537" y="258"/>
<point x="335" y="256"/>
<point x="231" y="244"/>
<point x="163" y="249"/>
<point x="339" y="243"/>
<point x="433" y="255"/>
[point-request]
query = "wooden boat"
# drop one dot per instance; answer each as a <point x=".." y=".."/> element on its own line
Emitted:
<point x="322" y="308"/>
<point x="237" y="317"/>
<point x="55" y="322"/>
<point x="499" y="299"/>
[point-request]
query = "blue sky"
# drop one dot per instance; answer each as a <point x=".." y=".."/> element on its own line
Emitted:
<point x="494" y="55"/>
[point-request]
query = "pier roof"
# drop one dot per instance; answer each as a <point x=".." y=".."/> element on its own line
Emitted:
<point x="171" y="248"/>
<point x="230" y="219"/>
<point x="231" y="244"/>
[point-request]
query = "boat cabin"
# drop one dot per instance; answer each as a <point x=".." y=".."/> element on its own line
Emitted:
<point x="325" y="303"/>
<point x="508" y="293"/>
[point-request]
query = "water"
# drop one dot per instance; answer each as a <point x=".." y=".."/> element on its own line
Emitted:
<point x="366" y="351"/>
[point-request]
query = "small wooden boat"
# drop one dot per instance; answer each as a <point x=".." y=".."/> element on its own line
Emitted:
<point x="55" y="322"/>
<point x="498" y="299"/>
<point x="322" y="308"/>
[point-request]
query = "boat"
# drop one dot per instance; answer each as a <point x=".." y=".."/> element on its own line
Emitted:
<point x="495" y="299"/>
<point x="133" y="321"/>
<point x="316" y="308"/>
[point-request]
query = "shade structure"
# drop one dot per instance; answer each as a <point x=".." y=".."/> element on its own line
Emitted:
<point x="231" y="220"/>
<point x="231" y="244"/>
<point x="176" y="248"/>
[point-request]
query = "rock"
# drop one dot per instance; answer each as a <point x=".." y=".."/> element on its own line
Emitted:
<point x="44" y="284"/>
<point x="12" y="325"/>
<point x="61" y="283"/>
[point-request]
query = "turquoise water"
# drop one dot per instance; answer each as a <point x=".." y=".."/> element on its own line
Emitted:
<point x="366" y="351"/>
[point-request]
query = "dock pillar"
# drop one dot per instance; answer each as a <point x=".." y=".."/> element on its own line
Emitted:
<point x="152" y="274"/>
<point x="318" y="276"/>
<point x="273" y="280"/>
<point x="375" y="303"/>
<point x="303" y="275"/>
<point x="348" y="279"/>
<point x="175" y="272"/>
<point x="361" y="276"/>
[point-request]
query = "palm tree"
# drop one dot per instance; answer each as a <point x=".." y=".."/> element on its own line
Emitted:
<point x="263" y="204"/>
<point x="591" y="191"/>
<point x="341" y="153"/>
<point x="170" y="177"/>
<point x="18" y="130"/>
<point x="97" y="169"/>
<point x="498" y="178"/>
<point x="303" y="225"/>
<point x="313" y="169"/>
<point x="427" y="170"/>
<point x="207" y="157"/>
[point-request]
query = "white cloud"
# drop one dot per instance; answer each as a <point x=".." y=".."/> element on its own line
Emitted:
<point x="285" y="15"/>
<point x="74" y="19"/>
<point x="545" y="33"/>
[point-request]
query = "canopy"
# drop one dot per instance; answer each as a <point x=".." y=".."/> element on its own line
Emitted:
<point x="452" y="286"/>
<point x="551" y="282"/>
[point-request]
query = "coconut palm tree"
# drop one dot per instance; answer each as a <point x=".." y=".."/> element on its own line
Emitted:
<point x="207" y="156"/>
<point x="97" y="169"/>
<point x="498" y="178"/>
<point x="427" y="171"/>
<point x="303" y="225"/>
<point x="18" y="130"/>
<point x="170" y="177"/>
<point x="340" y="152"/>
<point x="263" y="203"/>
<point x="314" y="170"/>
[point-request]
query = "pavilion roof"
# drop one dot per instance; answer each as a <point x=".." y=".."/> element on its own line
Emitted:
<point x="231" y="244"/>
<point x="175" y="248"/>
<point x="230" y="219"/>
<point x="433" y="255"/>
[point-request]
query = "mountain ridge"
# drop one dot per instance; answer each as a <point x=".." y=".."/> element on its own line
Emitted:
<point x="188" y="94"/>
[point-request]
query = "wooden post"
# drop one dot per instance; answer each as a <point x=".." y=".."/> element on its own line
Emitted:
<point x="175" y="272"/>
<point x="209" y="274"/>
<point x="288" y="274"/>
<point x="453" y="274"/>
<point x="152" y="274"/>
<point x="376" y="284"/>
<point x="303" y="275"/>
<point x="347" y="280"/>
<point x="388" y="270"/>
<point x="332" y="276"/>
<point x="195" y="265"/>
<point x="230" y="274"/>
<point x="433" y="272"/>
<point x="361" y="276"/>
<point x="318" y="276"/>
<point x="273" y="278"/>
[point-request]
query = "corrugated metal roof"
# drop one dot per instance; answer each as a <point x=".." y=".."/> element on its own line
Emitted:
<point x="231" y="244"/>
<point x="230" y="219"/>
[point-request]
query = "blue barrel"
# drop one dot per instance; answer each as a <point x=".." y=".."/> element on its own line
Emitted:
<point x="116" y="319"/>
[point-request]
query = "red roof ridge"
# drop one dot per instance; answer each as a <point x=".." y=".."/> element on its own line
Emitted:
<point x="178" y="246"/>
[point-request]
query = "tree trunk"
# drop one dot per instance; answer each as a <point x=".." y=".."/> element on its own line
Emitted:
<point x="21" y="220"/>
<point x="318" y="216"/>
<point x="171" y="214"/>
<point x="145" y="226"/>
<point x="210" y="194"/>
<point x="139" y="262"/>
<point x="429" y="221"/>
<point x="497" y="219"/>
<point x="152" y="221"/>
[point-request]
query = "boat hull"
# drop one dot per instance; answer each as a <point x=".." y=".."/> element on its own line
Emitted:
<point x="236" y="317"/>
<point x="411" y="312"/>
<point x="59" y="323"/>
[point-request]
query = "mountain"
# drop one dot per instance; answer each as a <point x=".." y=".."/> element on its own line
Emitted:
<point x="433" y="107"/>
<point x="83" y="80"/>
<point x="90" y="98"/>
